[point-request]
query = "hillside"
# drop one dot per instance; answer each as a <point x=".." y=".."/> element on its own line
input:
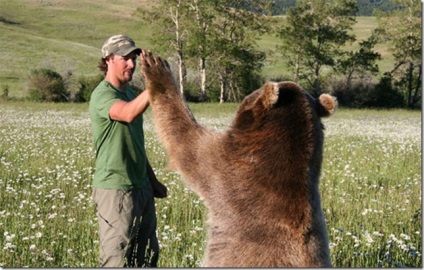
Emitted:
<point x="67" y="36"/>
<point x="60" y="34"/>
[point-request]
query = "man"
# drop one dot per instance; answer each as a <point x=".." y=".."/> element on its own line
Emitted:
<point x="124" y="184"/>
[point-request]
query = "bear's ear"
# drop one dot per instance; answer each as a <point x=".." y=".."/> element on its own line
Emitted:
<point x="326" y="105"/>
<point x="270" y="94"/>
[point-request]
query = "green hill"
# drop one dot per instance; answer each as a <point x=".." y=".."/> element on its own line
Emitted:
<point x="64" y="35"/>
<point x="67" y="36"/>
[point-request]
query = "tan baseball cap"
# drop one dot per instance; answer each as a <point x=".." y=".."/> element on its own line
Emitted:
<point x="119" y="45"/>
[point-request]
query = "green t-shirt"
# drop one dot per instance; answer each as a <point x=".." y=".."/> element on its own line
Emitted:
<point x="120" y="152"/>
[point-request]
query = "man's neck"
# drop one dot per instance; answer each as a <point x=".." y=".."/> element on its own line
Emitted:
<point x="116" y="83"/>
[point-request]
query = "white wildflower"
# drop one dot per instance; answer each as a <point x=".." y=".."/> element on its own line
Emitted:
<point x="404" y="236"/>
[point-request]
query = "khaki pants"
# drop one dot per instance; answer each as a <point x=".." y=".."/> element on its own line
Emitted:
<point x="127" y="227"/>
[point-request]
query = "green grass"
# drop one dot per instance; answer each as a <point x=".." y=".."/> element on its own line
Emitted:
<point x="370" y="187"/>
<point x="67" y="35"/>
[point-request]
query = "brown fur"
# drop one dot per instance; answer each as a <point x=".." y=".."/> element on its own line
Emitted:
<point x="259" y="178"/>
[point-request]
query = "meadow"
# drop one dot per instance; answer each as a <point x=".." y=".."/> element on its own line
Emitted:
<point x="370" y="187"/>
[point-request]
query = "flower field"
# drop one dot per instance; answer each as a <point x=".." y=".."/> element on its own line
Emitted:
<point x="370" y="188"/>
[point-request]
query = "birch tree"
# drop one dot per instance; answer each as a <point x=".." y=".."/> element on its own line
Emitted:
<point x="221" y="33"/>
<point x="199" y="41"/>
<point x="236" y="30"/>
<point x="168" y="21"/>
<point x="402" y="29"/>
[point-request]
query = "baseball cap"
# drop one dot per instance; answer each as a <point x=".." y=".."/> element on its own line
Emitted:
<point x="120" y="45"/>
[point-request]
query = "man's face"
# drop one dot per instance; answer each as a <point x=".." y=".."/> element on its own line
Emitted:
<point x="122" y="67"/>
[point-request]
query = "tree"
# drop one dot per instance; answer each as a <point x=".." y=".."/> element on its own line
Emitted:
<point x="313" y="35"/>
<point x="198" y="44"/>
<point x="236" y="30"/>
<point x="218" y="31"/>
<point x="402" y="28"/>
<point x="359" y="62"/>
<point x="169" y="19"/>
<point x="294" y="44"/>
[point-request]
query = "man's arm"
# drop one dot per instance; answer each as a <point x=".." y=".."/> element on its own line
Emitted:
<point x="127" y="111"/>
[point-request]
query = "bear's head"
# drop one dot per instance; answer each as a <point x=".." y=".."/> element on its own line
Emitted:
<point x="281" y="98"/>
<point x="283" y="121"/>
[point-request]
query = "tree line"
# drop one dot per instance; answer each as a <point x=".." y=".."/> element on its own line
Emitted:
<point x="365" y="7"/>
<point x="211" y="46"/>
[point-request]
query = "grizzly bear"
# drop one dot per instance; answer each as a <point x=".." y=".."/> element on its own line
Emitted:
<point x="259" y="178"/>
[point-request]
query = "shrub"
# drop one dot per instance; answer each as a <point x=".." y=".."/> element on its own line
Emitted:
<point x="366" y="93"/>
<point x="86" y="86"/>
<point x="5" y="94"/>
<point x="47" y="85"/>
<point x="358" y="95"/>
<point x="192" y="92"/>
<point x="386" y="95"/>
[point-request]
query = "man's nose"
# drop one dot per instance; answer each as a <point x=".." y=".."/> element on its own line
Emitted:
<point x="131" y="63"/>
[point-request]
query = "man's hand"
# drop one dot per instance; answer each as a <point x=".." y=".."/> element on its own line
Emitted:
<point x="159" y="189"/>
